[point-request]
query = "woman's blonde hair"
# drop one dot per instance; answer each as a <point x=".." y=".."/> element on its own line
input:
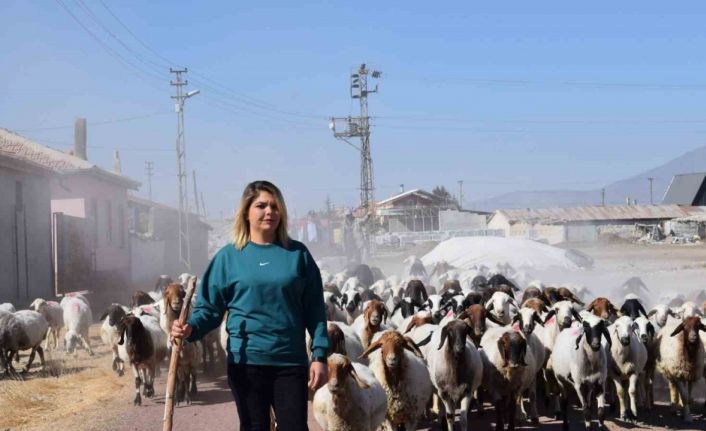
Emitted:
<point x="241" y="226"/>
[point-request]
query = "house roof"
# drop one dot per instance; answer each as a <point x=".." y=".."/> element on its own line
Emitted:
<point x="21" y="148"/>
<point x="600" y="213"/>
<point x="417" y="192"/>
<point x="153" y="204"/>
<point x="684" y="189"/>
<point x="17" y="164"/>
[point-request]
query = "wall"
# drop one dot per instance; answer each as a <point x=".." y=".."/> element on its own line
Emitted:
<point x="33" y="222"/>
<point x="459" y="220"/>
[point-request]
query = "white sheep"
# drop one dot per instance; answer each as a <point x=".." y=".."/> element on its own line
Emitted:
<point x="580" y="362"/>
<point x="352" y="400"/>
<point x="456" y="369"/>
<point x="680" y="358"/>
<point x="397" y="365"/>
<point x="7" y="307"/>
<point x="110" y="333"/>
<point x="77" y="319"/>
<point x="647" y="335"/>
<point x="627" y="357"/>
<point x="659" y="314"/>
<point x="526" y="320"/>
<point x="500" y="306"/>
<point x="54" y="315"/>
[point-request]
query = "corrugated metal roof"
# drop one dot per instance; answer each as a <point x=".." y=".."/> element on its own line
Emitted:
<point x="684" y="188"/>
<point x="419" y="192"/>
<point x="597" y="213"/>
<point x="19" y="147"/>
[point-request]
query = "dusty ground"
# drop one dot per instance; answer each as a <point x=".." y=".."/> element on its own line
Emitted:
<point x="87" y="396"/>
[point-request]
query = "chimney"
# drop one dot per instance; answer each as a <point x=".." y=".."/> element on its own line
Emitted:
<point x="80" y="139"/>
<point x="401" y="188"/>
<point x="117" y="168"/>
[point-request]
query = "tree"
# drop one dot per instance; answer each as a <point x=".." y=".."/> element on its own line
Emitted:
<point x="444" y="195"/>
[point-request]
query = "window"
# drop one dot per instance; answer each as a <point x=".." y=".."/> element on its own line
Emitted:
<point x="109" y="210"/>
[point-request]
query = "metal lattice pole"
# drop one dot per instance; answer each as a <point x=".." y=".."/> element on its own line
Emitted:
<point x="180" y="97"/>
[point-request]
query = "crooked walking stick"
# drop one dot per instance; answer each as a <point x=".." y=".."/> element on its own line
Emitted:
<point x="176" y="348"/>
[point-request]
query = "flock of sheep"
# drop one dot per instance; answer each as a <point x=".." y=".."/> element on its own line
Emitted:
<point x="403" y="350"/>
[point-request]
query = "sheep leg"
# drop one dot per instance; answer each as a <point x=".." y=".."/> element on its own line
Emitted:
<point x="522" y="413"/>
<point x="583" y="392"/>
<point x="620" y="395"/>
<point x="85" y="344"/>
<point x="149" y="381"/>
<point x="41" y="357"/>
<point x="564" y="402"/>
<point x="684" y="394"/>
<point x="534" y="416"/>
<point x="31" y="359"/>
<point x="632" y="392"/>
<point x="449" y="410"/>
<point x="600" y="397"/>
<point x="48" y="336"/>
<point x="500" y="414"/>
<point x="138" y="382"/>
<point x="192" y="379"/>
<point x="650" y="381"/>
<point x="512" y="411"/>
<point x="674" y="397"/>
<point x="464" y="411"/>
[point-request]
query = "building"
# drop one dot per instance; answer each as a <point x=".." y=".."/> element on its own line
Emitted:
<point x="686" y="189"/>
<point x="25" y="230"/>
<point x="412" y="211"/>
<point x="88" y="215"/>
<point x="577" y="224"/>
<point x="154" y="242"/>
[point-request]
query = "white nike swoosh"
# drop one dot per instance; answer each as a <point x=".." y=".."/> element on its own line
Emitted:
<point x="264" y="263"/>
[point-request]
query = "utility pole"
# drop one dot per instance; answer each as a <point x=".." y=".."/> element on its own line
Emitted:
<point x="460" y="194"/>
<point x="650" y="179"/>
<point x="196" y="193"/>
<point x="603" y="197"/>
<point x="180" y="97"/>
<point x="149" y="167"/>
<point x="359" y="127"/>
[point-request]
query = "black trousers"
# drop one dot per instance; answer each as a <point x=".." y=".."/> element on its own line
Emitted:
<point x="257" y="387"/>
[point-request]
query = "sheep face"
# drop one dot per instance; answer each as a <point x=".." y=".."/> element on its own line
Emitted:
<point x="622" y="328"/>
<point x="352" y="301"/>
<point x="174" y="297"/>
<point x="661" y="313"/>
<point x="526" y="319"/>
<point x="339" y="369"/>
<point x="512" y="347"/>
<point x="375" y="313"/>
<point x="499" y="304"/>
<point x="392" y="344"/>
<point x="476" y="317"/>
<point x="564" y="312"/>
<point x="455" y="332"/>
<point x="37" y="305"/>
<point x="593" y="331"/>
<point x="691" y="327"/>
<point x="416" y="292"/>
<point x="603" y="308"/>
<point x="406" y="307"/>
<point x="645" y="329"/>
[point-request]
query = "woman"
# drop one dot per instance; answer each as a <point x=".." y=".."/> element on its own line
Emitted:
<point x="272" y="290"/>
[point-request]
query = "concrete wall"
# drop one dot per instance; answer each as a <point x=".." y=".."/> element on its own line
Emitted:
<point x="460" y="220"/>
<point x="23" y="280"/>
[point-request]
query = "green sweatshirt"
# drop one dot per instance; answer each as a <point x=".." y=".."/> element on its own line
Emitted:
<point x="272" y="294"/>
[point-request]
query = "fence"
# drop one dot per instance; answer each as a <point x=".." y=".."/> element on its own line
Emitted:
<point x="401" y="239"/>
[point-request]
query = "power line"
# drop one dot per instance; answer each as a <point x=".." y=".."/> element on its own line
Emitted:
<point x="98" y="123"/>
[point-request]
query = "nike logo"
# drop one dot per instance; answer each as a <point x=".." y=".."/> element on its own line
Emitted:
<point x="264" y="263"/>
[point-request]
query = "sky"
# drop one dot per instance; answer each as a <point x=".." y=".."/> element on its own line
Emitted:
<point x="505" y="96"/>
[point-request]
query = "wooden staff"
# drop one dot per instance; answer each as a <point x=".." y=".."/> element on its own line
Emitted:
<point x="176" y="349"/>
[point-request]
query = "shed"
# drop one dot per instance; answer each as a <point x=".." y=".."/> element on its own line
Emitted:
<point x="686" y="189"/>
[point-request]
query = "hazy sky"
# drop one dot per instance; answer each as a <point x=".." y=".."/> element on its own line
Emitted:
<point x="509" y="96"/>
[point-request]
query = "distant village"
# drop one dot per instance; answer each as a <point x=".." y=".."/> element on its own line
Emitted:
<point x="70" y="225"/>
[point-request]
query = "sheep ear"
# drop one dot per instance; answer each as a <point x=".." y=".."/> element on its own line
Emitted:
<point x="444" y="335"/>
<point x="604" y="330"/>
<point x="385" y="313"/>
<point x="677" y="330"/>
<point x="463" y="315"/>
<point x="651" y="313"/>
<point x="591" y="306"/>
<point x="524" y="354"/>
<point x="537" y="319"/>
<point x="501" y="350"/>
<point x="358" y="380"/>
<point x="578" y="341"/>
<point x="489" y="305"/>
<point x="409" y="345"/>
<point x="549" y="315"/>
<point x="122" y="334"/>
<point x="576" y="315"/>
<point x="371" y="348"/>
<point x="575" y="299"/>
<point x="425" y="341"/>
<point x="641" y="309"/>
<point x="701" y="327"/>
<point x="650" y="329"/>
<point x="105" y="314"/>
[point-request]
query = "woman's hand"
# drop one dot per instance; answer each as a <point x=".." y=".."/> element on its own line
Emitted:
<point x="318" y="375"/>
<point x="181" y="331"/>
